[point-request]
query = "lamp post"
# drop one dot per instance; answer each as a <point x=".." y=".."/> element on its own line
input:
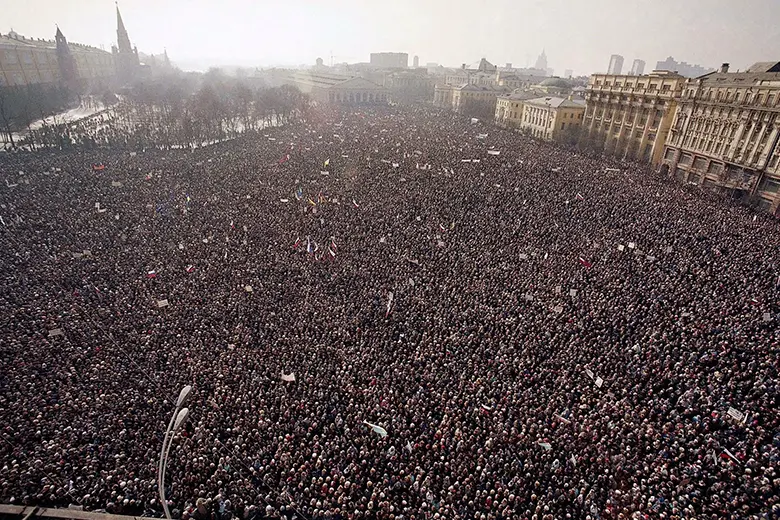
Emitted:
<point x="178" y="417"/>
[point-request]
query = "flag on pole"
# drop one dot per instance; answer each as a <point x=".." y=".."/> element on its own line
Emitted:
<point x="151" y="274"/>
<point x="389" y="304"/>
<point x="284" y="159"/>
<point x="190" y="268"/>
<point x="308" y="245"/>
<point x="311" y="202"/>
<point x="579" y="196"/>
<point x="297" y="242"/>
<point x="288" y="377"/>
<point x="584" y="262"/>
<point x="355" y="203"/>
<point x="299" y="193"/>
<point x="327" y="162"/>
<point x="378" y="429"/>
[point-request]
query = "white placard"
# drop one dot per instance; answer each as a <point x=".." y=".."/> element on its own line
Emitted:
<point x="621" y="247"/>
<point x="632" y="245"/>
<point x="572" y="292"/>
<point x="599" y="382"/>
<point x="162" y="303"/>
<point x="736" y="414"/>
<point x="56" y="332"/>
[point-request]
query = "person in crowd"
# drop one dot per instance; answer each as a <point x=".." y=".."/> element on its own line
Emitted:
<point x="479" y="327"/>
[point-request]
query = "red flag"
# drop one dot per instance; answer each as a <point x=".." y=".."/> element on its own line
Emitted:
<point x="584" y="262"/>
<point x="284" y="159"/>
<point x="190" y="268"/>
<point x="151" y="274"/>
<point x="580" y="197"/>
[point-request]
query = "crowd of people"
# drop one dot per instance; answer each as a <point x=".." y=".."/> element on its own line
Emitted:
<point x="480" y="326"/>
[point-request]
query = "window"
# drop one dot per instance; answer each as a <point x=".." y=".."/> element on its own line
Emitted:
<point x="27" y="57"/>
<point x="770" y="100"/>
<point x="686" y="159"/>
<point x="652" y="87"/>
<point x="640" y="85"/>
<point x="666" y="88"/>
<point x="10" y="56"/>
<point x="770" y="185"/>
<point x="699" y="163"/>
<point x="669" y="155"/>
<point x="563" y="125"/>
<point x="715" y="167"/>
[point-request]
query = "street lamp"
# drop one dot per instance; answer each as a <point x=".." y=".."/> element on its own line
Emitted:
<point x="178" y="417"/>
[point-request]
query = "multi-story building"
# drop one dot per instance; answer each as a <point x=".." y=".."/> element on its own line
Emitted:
<point x="632" y="114"/>
<point x="615" y="64"/>
<point x="389" y="60"/>
<point x="338" y="89"/>
<point x="409" y="85"/>
<point x="683" y="68"/>
<point x="482" y="96"/>
<point x="568" y="73"/>
<point x="637" y="68"/>
<point x="541" y="62"/>
<point x="416" y="62"/>
<point x="547" y="117"/>
<point x="509" y="108"/>
<point x="726" y="134"/>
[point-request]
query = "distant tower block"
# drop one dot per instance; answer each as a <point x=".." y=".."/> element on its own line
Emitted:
<point x="416" y="61"/>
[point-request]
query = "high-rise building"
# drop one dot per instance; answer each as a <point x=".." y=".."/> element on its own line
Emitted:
<point x="683" y="68"/>
<point x="541" y="61"/>
<point x="615" y="65"/>
<point x="568" y="73"/>
<point x="389" y="60"/>
<point x="416" y="62"/>
<point x="724" y="137"/>
<point x="637" y="68"/>
<point x="125" y="55"/>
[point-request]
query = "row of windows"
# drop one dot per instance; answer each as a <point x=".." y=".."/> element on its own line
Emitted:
<point x="766" y="98"/>
<point x="652" y="87"/>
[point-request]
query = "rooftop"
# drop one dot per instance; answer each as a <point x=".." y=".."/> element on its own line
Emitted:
<point x="556" y="102"/>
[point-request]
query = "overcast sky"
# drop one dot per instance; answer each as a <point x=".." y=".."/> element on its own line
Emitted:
<point x="576" y="35"/>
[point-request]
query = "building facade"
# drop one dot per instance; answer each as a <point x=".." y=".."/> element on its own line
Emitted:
<point x="615" y="64"/>
<point x="726" y="134"/>
<point x="27" y="61"/>
<point x="482" y="96"/>
<point x="336" y="89"/>
<point x="546" y="118"/>
<point x="509" y="108"/>
<point x="389" y="60"/>
<point x="637" y="68"/>
<point x="632" y="115"/>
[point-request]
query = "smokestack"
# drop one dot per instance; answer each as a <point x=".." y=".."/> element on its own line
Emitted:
<point x="724" y="68"/>
<point x="463" y="66"/>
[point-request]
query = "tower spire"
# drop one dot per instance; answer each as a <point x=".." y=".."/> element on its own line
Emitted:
<point x="122" y="39"/>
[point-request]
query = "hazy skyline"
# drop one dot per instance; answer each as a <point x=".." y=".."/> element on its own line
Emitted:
<point x="578" y="36"/>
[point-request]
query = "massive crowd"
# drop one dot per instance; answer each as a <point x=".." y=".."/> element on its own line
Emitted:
<point x="541" y="334"/>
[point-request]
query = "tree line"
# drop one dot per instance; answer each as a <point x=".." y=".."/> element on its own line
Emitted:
<point x="178" y="110"/>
